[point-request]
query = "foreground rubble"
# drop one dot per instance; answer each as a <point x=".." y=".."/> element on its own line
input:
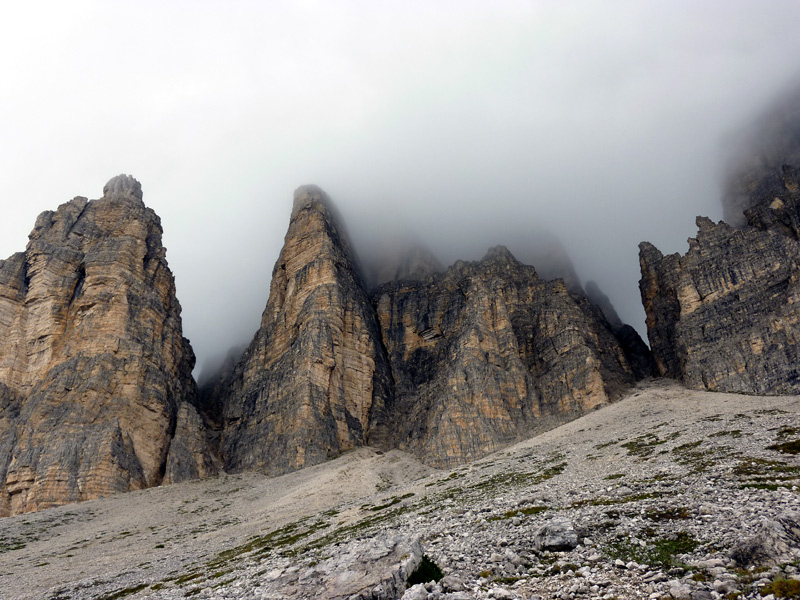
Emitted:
<point x="667" y="494"/>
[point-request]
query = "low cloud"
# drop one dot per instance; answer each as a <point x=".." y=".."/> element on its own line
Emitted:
<point x="459" y="124"/>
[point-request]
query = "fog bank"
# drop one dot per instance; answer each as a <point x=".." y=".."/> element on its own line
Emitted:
<point x="462" y="125"/>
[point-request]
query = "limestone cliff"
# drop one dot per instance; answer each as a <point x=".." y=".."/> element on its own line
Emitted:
<point x="775" y="204"/>
<point x="314" y="381"/>
<point x="96" y="390"/>
<point x="756" y="172"/>
<point x="726" y="316"/>
<point x="448" y="364"/>
<point x="638" y="354"/>
<point x="485" y="351"/>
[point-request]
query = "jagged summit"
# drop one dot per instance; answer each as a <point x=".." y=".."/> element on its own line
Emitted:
<point x="95" y="376"/>
<point x="123" y="186"/>
<point x="418" y="263"/>
<point x="314" y="381"/>
<point x="310" y="196"/>
<point x="499" y="254"/>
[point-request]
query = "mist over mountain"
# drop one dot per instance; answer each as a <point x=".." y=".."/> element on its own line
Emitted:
<point x="757" y="153"/>
<point x="462" y="124"/>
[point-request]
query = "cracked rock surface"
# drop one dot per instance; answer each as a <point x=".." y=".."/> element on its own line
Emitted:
<point x="96" y="388"/>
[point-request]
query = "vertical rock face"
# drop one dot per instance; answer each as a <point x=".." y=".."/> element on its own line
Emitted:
<point x="314" y="381"/>
<point x="756" y="173"/>
<point x="639" y="356"/>
<point x="726" y="316"/>
<point x="775" y="205"/>
<point x="447" y="364"/>
<point x="485" y="351"/>
<point x="95" y="377"/>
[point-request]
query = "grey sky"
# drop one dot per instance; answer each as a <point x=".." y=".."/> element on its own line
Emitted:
<point x="468" y="123"/>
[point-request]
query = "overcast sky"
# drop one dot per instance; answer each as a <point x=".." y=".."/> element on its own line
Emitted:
<point x="469" y="124"/>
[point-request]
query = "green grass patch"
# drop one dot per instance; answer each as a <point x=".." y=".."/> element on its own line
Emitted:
<point x="518" y="479"/>
<point x="392" y="501"/>
<point x="613" y="501"/>
<point x="669" y="514"/>
<point x="565" y="568"/>
<point x="782" y="588"/>
<point x="790" y="447"/>
<point x="510" y="514"/>
<point x="452" y="477"/>
<point x="697" y="459"/>
<point x="507" y="580"/>
<point x="644" y="445"/>
<point x="606" y="445"/>
<point x="281" y="539"/>
<point x="712" y="418"/>
<point x="657" y="552"/>
<point x="685" y="447"/>
<point x="762" y="466"/>
<point x="533" y="510"/>
<point x="187" y="578"/>
<point x="126" y="592"/>
<point x="734" y="433"/>
<point x="765" y="474"/>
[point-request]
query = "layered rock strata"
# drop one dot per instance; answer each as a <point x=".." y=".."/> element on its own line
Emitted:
<point x="756" y="171"/>
<point x="314" y="382"/>
<point x="726" y="316"/>
<point x="448" y="364"/>
<point x="775" y="204"/>
<point x="96" y="392"/>
<point x="485" y="351"/>
<point x="636" y="351"/>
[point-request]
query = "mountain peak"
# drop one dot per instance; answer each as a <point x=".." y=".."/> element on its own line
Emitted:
<point x="310" y="196"/>
<point x="500" y="254"/>
<point x="123" y="186"/>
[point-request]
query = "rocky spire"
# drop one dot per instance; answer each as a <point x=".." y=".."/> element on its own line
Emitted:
<point x="314" y="381"/>
<point x="485" y="352"/>
<point x="95" y="376"/>
<point x="724" y="316"/>
<point x="123" y="186"/>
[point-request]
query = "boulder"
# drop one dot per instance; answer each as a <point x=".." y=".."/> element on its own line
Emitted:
<point x="777" y="541"/>
<point x="557" y="535"/>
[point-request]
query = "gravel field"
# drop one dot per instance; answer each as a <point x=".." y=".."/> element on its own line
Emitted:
<point x="668" y="493"/>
